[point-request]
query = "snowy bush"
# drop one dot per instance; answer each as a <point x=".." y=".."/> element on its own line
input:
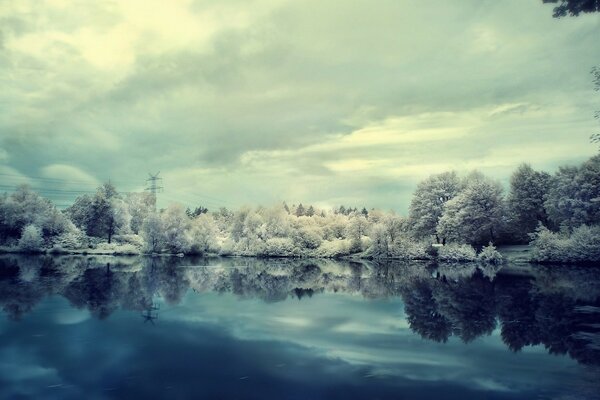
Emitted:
<point x="308" y="237"/>
<point x="454" y="252"/>
<point x="227" y="248"/>
<point x="583" y="245"/>
<point x="334" y="248"/>
<point x="129" y="239"/>
<point x="405" y="248"/>
<point x="31" y="240"/>
<point x="489" y="255"/>
<point x="279" y="247"/>
<point x="71" y="240"/>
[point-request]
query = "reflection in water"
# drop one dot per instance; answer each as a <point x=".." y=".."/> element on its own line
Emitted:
<point x="557" y="308"/>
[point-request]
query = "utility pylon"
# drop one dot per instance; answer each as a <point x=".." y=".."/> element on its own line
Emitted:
<point x="153" y="186"/>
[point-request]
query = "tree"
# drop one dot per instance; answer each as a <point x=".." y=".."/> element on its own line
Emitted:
<point x="196" y="212"/>
<point x="203" y="234"/>
<point x="25" y="207"/>
<point x="139" y="206"/>
<point x="356" y="229"/>
<point x="300" y="211"/>
<point x="175" y="227"/>
<point x="574" y="7"/>
<point x="573" y="198"/>
<point x="102" y="215"/>
<point x="526" y="199"/>
<point x="380" y="242"/>
<point x="152" y="232"/>
<point x="427" y="205"/>
<point x="310" y="211"/>
<point x="475" y="215"/>
<point x="31" y="240"/>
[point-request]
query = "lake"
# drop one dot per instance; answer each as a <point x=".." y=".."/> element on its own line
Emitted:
<point x="77" y="327"/>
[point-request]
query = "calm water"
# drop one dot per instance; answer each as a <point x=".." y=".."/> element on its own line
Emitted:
<point x="94" y="328"/>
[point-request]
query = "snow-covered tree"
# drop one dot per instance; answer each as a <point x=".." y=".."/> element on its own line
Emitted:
<point x="25" y="207"/>
<point x="475" y="215"/>
<point x="379" y="241"/>
<point x="139" y="206"/>
<point x="356" y="229"/>
<point x="526" y="199"/>
<point x="203" y="234"/>
<point x="31" y="240"/>
<point x="573" y="198"/>
<point x="427" y="205"/>
<point x="176" y="224"/>
<point x="153" y="233"/>
<point x="102" y="215"/>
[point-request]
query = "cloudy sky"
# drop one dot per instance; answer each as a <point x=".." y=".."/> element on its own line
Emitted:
<point x="324" y="102"/>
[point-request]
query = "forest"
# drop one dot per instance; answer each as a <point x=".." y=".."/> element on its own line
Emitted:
<point x="451" y="218"/>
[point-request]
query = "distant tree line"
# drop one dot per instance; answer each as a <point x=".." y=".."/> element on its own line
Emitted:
<point x="460" y="214"/>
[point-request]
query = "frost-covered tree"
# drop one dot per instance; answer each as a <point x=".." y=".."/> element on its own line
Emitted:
<point x="475" y="215"/>
<point x="175" y="225"/>
<point x="427" y="205"/>
<point x="203" y="234"/>
<point x="153" y="233"/>
<point x="300" y="211"/>
<point x="526" y="199"/>
<point x="356" y="229"/>
<point x="102" y="215"/>
<point x="394" y="226"/>
<point x="31" y="240"/>
<point x="573" y="198"/>
<point x="379" y="242"/>
<point x="139" y="206"/>
<point x="25" y="207"/>
<point x="277" y="222"/>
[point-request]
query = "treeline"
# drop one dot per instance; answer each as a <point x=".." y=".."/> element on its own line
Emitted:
<point x="450" y="217"/>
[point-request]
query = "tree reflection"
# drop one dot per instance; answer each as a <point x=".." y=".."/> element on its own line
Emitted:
<point x="439" y="301"/>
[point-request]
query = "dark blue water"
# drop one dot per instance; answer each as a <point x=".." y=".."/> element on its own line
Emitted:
<point x="92" y="328"/>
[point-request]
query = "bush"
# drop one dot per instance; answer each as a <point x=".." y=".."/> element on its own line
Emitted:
<point x="279" y="247"/>
<point x="489" y="255"/>
<point x="71" y="240"/>
<point x="454" y="252"/>
<point x="583" y="245"/>
<point x="548" y="246"/>
<point x="408" y="249"/>
<point x="129" y="239"/>
<point x="31" y="240"/>
<point x="334" y="248"/>
<point x="308" y="238"/>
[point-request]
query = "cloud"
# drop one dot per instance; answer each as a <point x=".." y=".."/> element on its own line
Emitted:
<point x="226" y="97"/>
<point x="68" y="172"/>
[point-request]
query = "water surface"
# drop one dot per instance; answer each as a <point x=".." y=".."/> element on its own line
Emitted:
<point x="101" y="328"/>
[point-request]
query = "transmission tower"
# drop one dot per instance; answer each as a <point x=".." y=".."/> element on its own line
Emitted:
<point x="153" y="186"/>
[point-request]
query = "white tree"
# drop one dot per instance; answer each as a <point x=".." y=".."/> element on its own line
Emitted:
<point x="203" y="234"/>
<point x="152" y="232"/>
<point x="31" y="240"/>
<point x="356" y="229"/>
<point x="475" y="215"/>
<point x="379" y="241"/>
<point x="175" y="227"/>
<point x="427" y="205"/>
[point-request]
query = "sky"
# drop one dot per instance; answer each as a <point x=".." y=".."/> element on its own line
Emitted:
<point x="262" y="101"/>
